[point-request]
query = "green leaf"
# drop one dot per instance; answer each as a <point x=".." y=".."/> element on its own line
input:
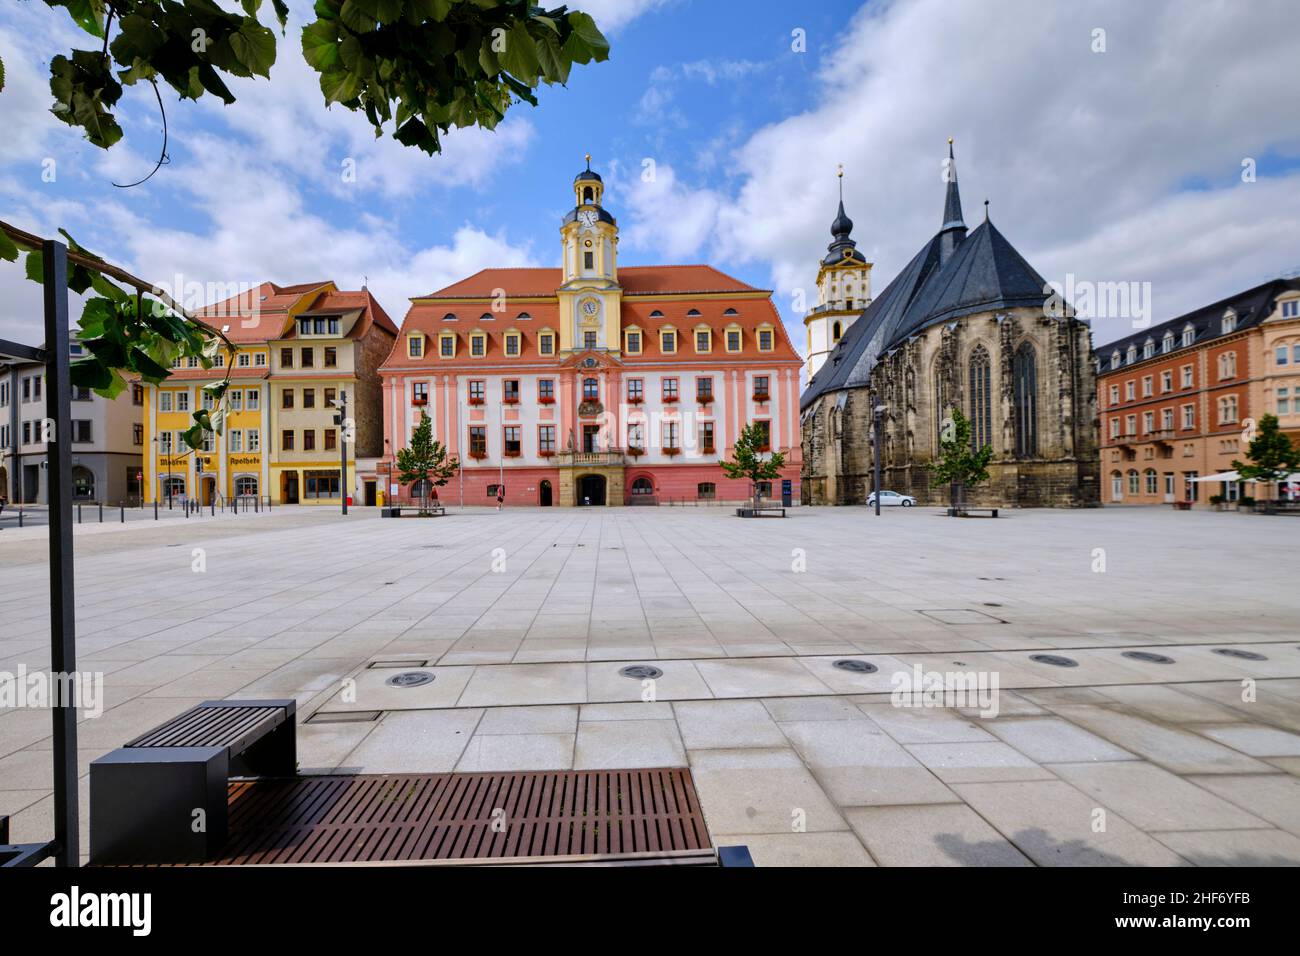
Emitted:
<point x="585" y="41"/>
<point x="254" y="45"/>
<point x="520" y="54"/>
<point x="320" y="45"/>
<point x="87" y="14"/>
<point x="8" y="248"/>
<point x="359" y="15"/>
<point x="339" y="86"/>
<point x="35" y="266"/>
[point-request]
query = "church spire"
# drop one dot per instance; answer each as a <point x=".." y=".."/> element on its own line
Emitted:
<point x="953" y="230"/>
<point x="842" y="250"/>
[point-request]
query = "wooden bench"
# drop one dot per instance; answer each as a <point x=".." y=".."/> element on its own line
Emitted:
<point x="1182" y="505"/>
<point x="395" y="511"/>
<point x="972" y="512"/>
<point x="162" y="798"/>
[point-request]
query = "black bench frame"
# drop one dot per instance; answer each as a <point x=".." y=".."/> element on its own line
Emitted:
<point x="162" y="798"/>
<point x="972" y="512"/>
<point x="764" y="511"/>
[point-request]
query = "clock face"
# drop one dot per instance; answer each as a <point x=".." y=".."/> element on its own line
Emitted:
<point x="587" y="217"/>
<point x="590" y="307"/>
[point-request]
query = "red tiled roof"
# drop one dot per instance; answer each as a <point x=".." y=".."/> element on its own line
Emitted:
<point x="635" y="280"/>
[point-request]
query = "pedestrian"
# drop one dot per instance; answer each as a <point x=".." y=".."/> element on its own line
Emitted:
<point x="501" y="496"/>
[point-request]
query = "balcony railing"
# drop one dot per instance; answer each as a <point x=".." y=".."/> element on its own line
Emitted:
<point x="610" y="457"/>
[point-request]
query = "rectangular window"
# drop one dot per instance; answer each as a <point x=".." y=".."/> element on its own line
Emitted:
<point x="510" y="391"/>
<point x="235" y="439"/>
<point x="309" y="398"/>
<point x="668" y="342"/>
<point x="635" y="390"/>
<point x="331" y="438"/>
<point x="1114" y="428"/>
<point x="419" y="393"/>
<point x="1146" y="386"/>
<point x="164" y="401"/>
<point x="309" y="439"/>
<point x="546" y="439"/>
<point x="1284" y="401"/>
<point x="670" y="435"/>
<point x="286" y="358"/>
<point x="512" y="441"/>
<point x="330" y="395"/>
<point x="321" y="484"/>
<point x="733" y="340"/>
<point x="286" y="398"/>
<point x="254" y="400"/>
<point x="704" y="390"/>
<point x="165" y="442"/>
<point x="477" y="392"/>
<point x="1148" y="422"/>
<point x="478" y="345"/>
<point x="447" y="346"/>
<point x="636" y="437"/>
<point x="1129" y="393"/>
<point x="478" y="441"/>
<point x="331" y="357"/>
<point x="259" y="359"/>
<point x="670" y="390"/>
<point x="137" y="434"/>
<point x="588" y="339"/>
<point x="589" y="260"/>
<point x="286" y="440"/>
<point x="308" y="358"/>
<point x="236" y="400"/>
<point x="765" y="434"/>
<point x="706" y="438"/>
<point x="415" y="346"/>
<point x="1189" y="416"/>
<point x="634" y="343"/>
<point x="512" y="344"/>
<point x="546" y="390"/>
<point x="546" y="343"/>
<point x="183" y="401"/>
<point x="137" y="394"/>
<point x="761" y="393"/>
<point x="1166" y="381"/>
<point x="765" y="340"/>
<point x="254" y="440"/>
<point x="703" y="341"/>
<point x="1167" y="419"/>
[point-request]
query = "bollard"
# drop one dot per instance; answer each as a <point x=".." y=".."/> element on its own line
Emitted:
<point x="122" y="519"/>
<point x="78" y="514"/>
<point x="155" y="509"/>
<point x="20" y="516"/>
<point x="101" y="512"/>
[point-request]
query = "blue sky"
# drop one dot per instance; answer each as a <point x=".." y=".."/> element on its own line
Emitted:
<point x="1115" y="165"/>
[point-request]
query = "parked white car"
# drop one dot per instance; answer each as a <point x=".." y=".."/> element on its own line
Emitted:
<point x="888" y="498"/>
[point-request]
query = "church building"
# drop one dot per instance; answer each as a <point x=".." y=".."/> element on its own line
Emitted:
<point x="593" y="383"/>
<point x="968" y="323"/>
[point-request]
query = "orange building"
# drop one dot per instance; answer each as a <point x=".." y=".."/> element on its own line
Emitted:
<point x="1175" y="398"/>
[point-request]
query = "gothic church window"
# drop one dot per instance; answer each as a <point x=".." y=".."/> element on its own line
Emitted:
<point x="1025" y="400"/>
<point x="981" y="409"/>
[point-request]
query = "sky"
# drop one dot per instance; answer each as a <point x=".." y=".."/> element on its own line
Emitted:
<point x="1155" y="143"/>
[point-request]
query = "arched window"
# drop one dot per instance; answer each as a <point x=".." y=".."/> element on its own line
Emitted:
<point x="981" y="402"/>
<point x="1133" y="479"/>
<point x="83" y="483"/>
<point x="642" y="486"/>
<point x="1151" y="481"/>
<point x="835" y="332"/>
<point x="1025" y="385"/>
<point x="940" y="405"/>
<point x="246" y="485"/>
<point x="590" y="389"/>
<point x="587" y="194"/>
<point x="1167" y="345"/>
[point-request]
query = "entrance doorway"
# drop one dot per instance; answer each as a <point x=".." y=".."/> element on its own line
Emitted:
<point x="370" y="493"/>
<point x="544" y="494"/>
<point x="591" y="490"/>
<point x="590" y="435"/>
<point x="289" y="488"/>
<point x="208" y="491"/>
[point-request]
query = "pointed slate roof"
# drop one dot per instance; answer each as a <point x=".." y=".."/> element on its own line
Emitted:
<point x="953" y="275"/>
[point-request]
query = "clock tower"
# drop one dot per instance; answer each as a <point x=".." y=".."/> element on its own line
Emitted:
<point x="590" y="296"/>
<point x="843" y="290"/>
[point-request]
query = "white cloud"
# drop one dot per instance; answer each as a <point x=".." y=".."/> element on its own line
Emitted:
<point x="1086" y="157"/>
<point x="613" y="15"/>
<point x="663" y="214"/>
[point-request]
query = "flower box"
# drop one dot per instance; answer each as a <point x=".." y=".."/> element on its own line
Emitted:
<point x="635" y="399"/>
<point x="419" y="400"/>
<point x="671" y="450"/>
<point x="546" y="400"/>
<point x="546" y="453"/>
<point x="510" y="454"/>
<point x="668" y="399"/>
<point x="508" y="400"/>
<point x="478" y="455"/>
<point x="704" y="399"/>
<point x="635" y="450"/>
<point x="475" y="401"/>
<point x="761" y="396"/>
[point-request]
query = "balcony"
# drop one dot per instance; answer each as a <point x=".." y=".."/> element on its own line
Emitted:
<point x="1163" y="434"/>
<point x="612" y="457"/>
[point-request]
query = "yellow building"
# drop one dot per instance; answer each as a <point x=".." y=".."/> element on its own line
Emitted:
<point x="299" y="348"/>
<point x="1276" y="385"/>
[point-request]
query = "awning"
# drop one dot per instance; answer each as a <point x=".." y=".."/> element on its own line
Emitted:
<point x="1233" y="476"/>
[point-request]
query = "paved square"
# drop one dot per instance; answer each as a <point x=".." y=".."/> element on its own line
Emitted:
<point x="525" y="617"/>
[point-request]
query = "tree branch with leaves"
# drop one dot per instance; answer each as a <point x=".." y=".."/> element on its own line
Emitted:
<point x="425" y="66"/>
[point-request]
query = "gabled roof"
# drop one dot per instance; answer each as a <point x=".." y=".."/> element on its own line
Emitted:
<point x="1251" y="307"/>
<point x="635" y="280"/>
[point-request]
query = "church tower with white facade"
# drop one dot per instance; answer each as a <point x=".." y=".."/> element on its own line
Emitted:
<point x="843" y="291"/>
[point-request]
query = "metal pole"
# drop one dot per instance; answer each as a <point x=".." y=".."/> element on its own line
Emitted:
<point x="343" y="448"/>
<point x="876" y="489"/>
<point x="63" y="629"/>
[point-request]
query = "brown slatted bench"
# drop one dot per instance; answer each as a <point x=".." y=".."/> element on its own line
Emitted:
<point x="162" y="798"/>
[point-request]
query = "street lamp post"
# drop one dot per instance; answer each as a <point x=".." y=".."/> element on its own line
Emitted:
<point x="340" y="419"/>
<point x="878" y="416"/>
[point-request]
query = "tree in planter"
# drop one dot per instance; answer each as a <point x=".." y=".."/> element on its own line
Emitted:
<point x="1271" y="456"/>
<point x="425" y="461"/>
<point x="747" y="460"/>
<point x="959" y="464"/>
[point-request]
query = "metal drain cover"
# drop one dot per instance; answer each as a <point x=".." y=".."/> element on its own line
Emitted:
<point x="1237" y="652"/>
<point x="1056" y="660"/>
<point x="858" y="667"/>
<point x="641" y="672"/>
<point x="410" y="679"/>
<point x="1148" y="657"/>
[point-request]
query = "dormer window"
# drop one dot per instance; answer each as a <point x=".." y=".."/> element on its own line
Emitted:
<point x="693" y="312"/>
<point x="1148" y="348"/>
<point x="730" y="312"/>
<point x="415" y="346"/>
<point x="1189" y="335"/>
<point x="449" y="317"/>
<point x="486" y="317"/>
<point x="1168" y="344"/>
<point x="656" y="314"/>
<point x="1229" y="323"/>
<point x="524" y="317"/>
<point x="1132" y="354"/>
<point x="1114" y="359"/>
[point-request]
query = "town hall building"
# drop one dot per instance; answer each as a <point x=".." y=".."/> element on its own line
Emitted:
<point x="968" y="323"/>
<point x="593" y="383"/>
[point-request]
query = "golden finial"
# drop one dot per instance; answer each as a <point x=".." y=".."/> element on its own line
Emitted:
<point x="841" y="171"/>
<point x="949" y="140"/>
<point x="589" y="160"/>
